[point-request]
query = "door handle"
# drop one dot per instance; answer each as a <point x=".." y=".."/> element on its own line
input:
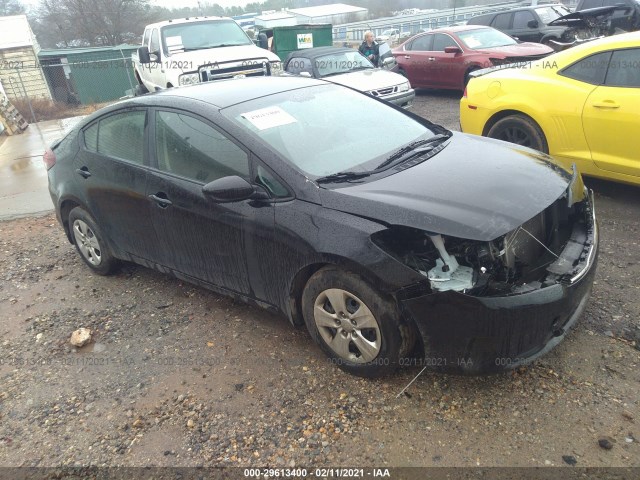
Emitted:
<point x="407" y="57"/>
<point x="606" y="104"/>
<point x="83" y="172"/>
<point x="160" y="201"/>
<point x="431" y="59"/>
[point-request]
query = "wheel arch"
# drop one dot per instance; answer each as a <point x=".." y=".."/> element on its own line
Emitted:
<point x="302" y="276"/>
<point x="66" y="206"/>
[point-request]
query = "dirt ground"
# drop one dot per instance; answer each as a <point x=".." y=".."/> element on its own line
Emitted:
<point x="179" y="376"/>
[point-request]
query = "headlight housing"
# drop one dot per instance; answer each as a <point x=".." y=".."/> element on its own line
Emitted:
<point x="188" y="79"/>
<point x="276" y="68"/>
<point x="404" y="87"/>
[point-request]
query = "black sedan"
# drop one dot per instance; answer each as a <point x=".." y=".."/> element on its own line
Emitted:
<point x="393" y="239"/>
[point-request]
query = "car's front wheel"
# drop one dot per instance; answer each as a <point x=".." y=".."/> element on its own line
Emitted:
<point x="90" y="242"/>
<point x="359" y="329"/>
<point x="521" y="130"/>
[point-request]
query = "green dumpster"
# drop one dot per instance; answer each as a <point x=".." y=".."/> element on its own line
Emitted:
<point x="284" y="40"/>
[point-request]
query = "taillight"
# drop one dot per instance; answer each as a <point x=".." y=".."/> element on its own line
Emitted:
<point x="49" y="158"/>
<point x="464" y="95"/>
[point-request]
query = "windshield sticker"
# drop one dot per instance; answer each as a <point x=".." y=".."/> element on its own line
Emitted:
<point x="268" y="118"/>
<point x="472" y="42"/>
<point x="174" y="43"/>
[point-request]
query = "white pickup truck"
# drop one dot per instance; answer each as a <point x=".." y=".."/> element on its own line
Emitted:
<point x="193" y="50"/>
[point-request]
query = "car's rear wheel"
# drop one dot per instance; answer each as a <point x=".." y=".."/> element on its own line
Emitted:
<point x="90" y="242"/>
<point x="358" y="329"/>
<point x="520" y="130"/>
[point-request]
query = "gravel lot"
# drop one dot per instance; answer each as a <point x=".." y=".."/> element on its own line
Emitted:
<point x="178" y="376"/>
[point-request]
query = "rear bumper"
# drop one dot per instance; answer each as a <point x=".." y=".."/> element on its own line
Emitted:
<point x="478" y="335"/>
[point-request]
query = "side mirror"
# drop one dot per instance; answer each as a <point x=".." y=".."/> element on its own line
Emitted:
<point x="232" y="189"/>
<point x="387" y="62"/>
<point x="452" y="50"/>
<point x="532" y="24"/>
<point x="143" y="55"/>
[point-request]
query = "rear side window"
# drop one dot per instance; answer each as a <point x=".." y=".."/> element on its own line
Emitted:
<point x="480" y="20"/>
<point x="190" y="148"/>
<point x="521" y="19"/>
<point x="297" y="65"/>
<point x="122" y="136"/>
<point x="591" y="69"/>
<point x="422" y="44"/>
<point x="502" y="21"/>
<point x="145" y="39"/>
<point x="624" y="69"/>
<point x="91" y="137"/>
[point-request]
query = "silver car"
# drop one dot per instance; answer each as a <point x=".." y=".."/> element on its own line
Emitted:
<point x="346" y="66"/>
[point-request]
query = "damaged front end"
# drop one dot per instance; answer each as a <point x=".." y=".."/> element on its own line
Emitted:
<point x="586" y="25"/>
<point x="489" y="305"/>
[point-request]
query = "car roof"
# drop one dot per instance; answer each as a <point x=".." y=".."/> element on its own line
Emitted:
<point x="224" y="93"/>
<point x="318" y="51"/>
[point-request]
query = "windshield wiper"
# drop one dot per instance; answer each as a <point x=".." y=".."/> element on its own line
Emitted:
<point x="413" y="149"/>
<point x="342" y="177"/>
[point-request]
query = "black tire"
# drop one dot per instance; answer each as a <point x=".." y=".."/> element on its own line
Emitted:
<point x="90" y="243"/>
<point x="140" y="90"/>
<point x="394" y="340"/>
<point x="520" y="130"/>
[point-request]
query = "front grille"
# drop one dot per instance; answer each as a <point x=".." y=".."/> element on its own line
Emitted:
<point x="382" y="92"/>
<point x="257" y="67"/>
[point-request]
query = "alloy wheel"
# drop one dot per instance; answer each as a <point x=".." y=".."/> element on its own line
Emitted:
<point x="87" y="242"/>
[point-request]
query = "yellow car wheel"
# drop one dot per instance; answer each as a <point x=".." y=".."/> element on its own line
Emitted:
<point x="521" y="130"/>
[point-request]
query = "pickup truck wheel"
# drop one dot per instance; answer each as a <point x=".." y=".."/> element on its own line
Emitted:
<point x="140" y="90"/>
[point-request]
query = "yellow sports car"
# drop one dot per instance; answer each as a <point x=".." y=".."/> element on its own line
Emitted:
<point x="580" y="105"/>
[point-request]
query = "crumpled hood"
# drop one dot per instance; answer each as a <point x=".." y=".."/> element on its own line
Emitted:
<point x="365" y="80"/>
<point x="191" y="61"/>
<point x="577" y="18"/>
<point x="475" y="188"/>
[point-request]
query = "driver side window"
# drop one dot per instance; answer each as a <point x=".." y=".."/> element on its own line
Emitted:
<point x="190" y="148"/>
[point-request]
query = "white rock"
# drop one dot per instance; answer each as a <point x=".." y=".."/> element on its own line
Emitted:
<point x="80" y="337"/>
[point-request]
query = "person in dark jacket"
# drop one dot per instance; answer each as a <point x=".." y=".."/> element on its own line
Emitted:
<point x="370" y="49"/>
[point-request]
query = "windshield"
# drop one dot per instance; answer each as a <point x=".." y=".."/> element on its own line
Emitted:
<point x="341" y="62"/>
<point x="549" y="14"/>
<point x="480" y="38"/>
<point x="328" y="129"/>
<point x="201" y="35"/>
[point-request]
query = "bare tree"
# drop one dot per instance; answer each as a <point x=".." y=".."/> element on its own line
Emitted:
<point x="91" y="22"/>
<point x="10" y="7"/>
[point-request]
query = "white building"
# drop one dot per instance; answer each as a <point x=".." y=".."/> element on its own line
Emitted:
<point x="275" y="19"/>
<point x="20" y="75"/>
<point x="335" y="14"/>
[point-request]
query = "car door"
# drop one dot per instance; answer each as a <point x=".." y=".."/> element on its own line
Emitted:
<point x="112" y="174"/>
<point x="611" y="115"/>
<point x="525" y="27"/>
<point x="216" y="243"/>
<point x="448" y="68"/>
<point x="415" y="63"/>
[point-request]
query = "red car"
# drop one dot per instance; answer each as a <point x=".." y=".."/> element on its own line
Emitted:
<point x="443" y="58"/>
